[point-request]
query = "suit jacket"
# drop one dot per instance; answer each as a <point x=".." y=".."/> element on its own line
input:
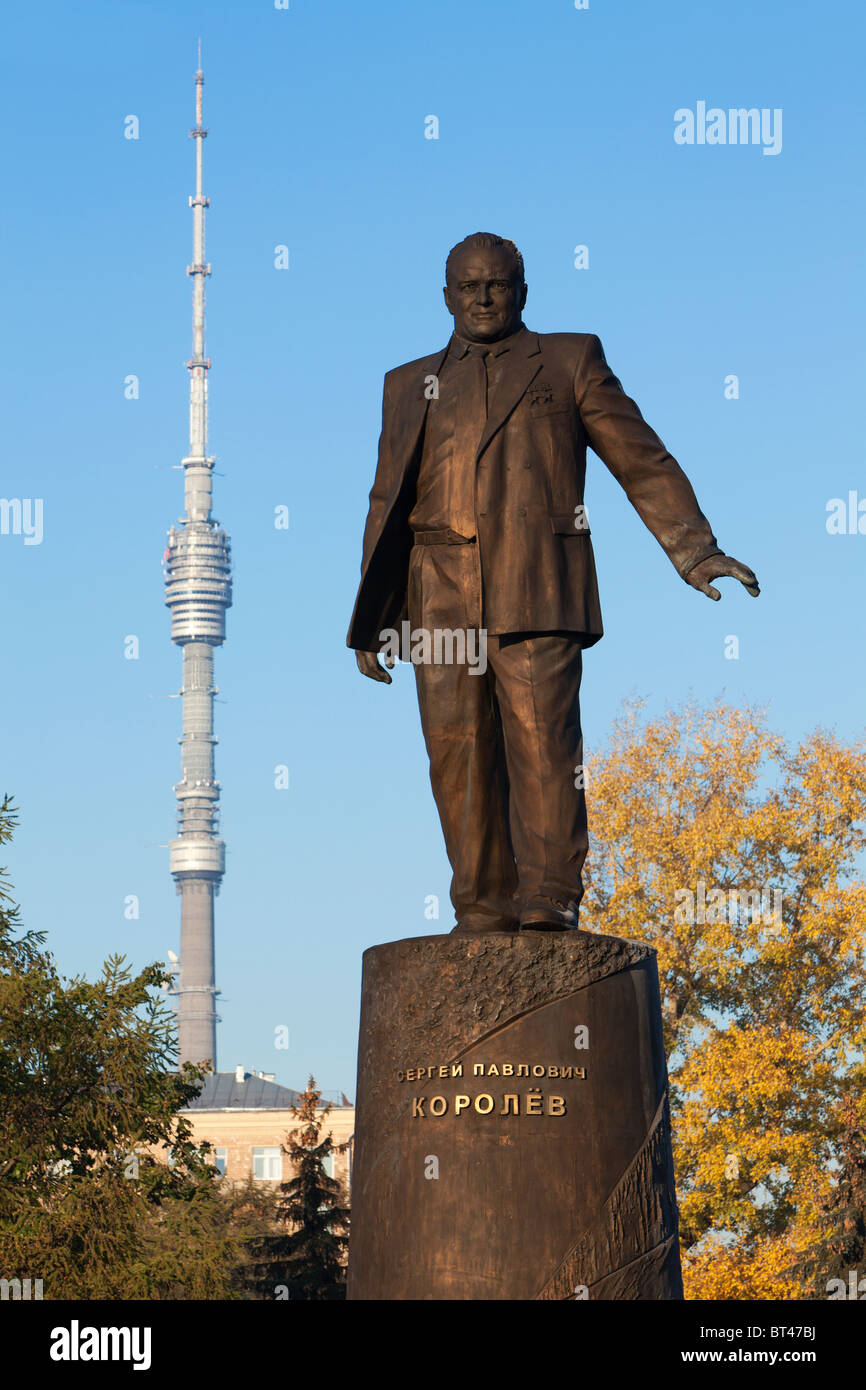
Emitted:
<point x="556" y="395"/>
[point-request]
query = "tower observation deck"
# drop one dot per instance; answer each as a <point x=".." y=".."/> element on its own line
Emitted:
<point x="198" y="590"/>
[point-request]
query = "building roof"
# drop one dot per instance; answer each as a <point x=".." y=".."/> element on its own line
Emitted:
<point x="222" y="1091"/>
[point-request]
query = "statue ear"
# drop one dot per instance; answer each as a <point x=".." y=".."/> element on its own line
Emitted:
<point x="447" y="297"/>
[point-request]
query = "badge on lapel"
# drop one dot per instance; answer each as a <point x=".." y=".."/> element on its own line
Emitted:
<point x="540" y="393"/>
<point x="544" y="400"/>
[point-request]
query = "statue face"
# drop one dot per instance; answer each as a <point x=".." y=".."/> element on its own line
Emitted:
<point x="485" y="294"/>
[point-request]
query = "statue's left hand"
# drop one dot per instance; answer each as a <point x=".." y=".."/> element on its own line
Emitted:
<point x="717" y="566"/>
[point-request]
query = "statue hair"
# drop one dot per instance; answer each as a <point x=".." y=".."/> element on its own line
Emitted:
<point x="487" y="240"/>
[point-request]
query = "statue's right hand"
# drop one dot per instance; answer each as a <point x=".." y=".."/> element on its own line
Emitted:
<point x="369" y="665"/>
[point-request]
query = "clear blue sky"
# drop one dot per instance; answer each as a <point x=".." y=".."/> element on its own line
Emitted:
<point x="555" y="129"/>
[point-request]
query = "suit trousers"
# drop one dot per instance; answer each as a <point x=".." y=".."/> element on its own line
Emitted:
<point x="506" y="753"/>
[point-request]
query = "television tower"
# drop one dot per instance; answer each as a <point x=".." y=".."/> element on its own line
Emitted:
<point x="198" y="590"/>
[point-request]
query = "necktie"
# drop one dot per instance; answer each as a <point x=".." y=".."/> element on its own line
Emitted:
<point x="478" y="385"/>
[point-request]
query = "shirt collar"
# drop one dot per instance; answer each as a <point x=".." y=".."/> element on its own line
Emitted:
<point x="458" y="347"/>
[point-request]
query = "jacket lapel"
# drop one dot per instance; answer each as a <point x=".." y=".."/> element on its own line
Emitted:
<point x="407" y="419"/>
<point x="522" y="364"/>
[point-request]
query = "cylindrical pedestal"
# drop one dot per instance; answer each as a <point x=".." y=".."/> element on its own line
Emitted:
<point x="512" y="1135"/>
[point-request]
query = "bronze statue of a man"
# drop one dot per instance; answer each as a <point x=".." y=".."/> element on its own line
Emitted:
<point x="477" y="525"/>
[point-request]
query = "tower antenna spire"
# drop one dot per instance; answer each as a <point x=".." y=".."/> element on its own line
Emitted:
<point x="198" y="590"/>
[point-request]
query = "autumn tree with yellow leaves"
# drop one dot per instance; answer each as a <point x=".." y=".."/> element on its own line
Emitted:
<point x="736" y="856"/>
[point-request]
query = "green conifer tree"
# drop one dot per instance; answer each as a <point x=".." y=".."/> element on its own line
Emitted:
<point x="305" y="1258"/>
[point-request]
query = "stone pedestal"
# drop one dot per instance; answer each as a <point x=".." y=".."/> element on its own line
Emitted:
<point x="512" y="1135"/>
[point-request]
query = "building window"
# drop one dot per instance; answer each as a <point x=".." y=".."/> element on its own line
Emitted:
<point x="219" y="1161"/>
<point x="328" y="1165"/>
<point x="268" y="1164"/>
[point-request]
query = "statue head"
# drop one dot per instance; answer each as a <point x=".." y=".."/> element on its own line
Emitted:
<point x="485" y="289"/>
